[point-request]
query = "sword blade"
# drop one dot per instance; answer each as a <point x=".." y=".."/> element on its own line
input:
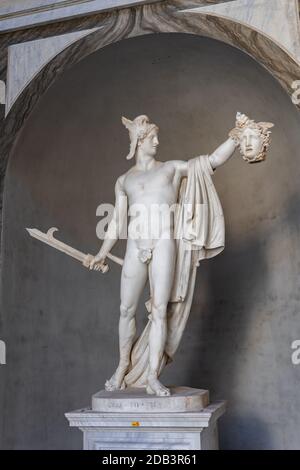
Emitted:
<point x="49" y="239"/>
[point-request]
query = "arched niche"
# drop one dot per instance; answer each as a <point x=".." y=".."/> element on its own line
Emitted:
<point x="61" y="321"/>
<point x="148" y="19"/>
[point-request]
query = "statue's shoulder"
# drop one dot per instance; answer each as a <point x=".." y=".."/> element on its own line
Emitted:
<point x="121" y="181"/>
<point x="123" y="177"/>
<point x="178" y="166"/>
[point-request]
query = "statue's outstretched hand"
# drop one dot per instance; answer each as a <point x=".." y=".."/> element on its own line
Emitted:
<point x="241" y="119"/>
<point x="97" y="263"/>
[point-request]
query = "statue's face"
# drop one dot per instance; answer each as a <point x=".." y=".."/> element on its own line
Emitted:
<point x="149" y="145"/>
<point x="251" y="143"/>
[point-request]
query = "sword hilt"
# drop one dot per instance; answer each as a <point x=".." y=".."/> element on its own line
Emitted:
<point x="87" y="260"/>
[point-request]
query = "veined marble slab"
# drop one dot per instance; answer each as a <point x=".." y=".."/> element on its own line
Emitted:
<point x="26" y="60"/>
<point x="278" y="19"/>
<point x="25" y="13"/>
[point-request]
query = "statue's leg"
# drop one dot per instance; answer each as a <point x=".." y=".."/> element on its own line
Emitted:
<point x="133" y="279"/>
<point x="161" y="272"/>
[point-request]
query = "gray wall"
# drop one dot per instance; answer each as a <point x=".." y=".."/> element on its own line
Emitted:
<point x="60" y="320"/>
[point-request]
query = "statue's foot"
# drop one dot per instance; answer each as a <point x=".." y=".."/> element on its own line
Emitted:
<point x="116" y="382"/>
<point x="149" y="390"/>
<point x="155" y="387"/>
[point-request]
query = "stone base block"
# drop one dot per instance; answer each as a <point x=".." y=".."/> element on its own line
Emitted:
<point x="135" y="400"/>
<point x="148" y="431"/>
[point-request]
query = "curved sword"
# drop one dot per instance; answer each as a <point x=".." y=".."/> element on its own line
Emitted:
<point x="84" y="258"/>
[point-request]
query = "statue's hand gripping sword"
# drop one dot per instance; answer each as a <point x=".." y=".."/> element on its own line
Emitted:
<point x="85" y="259"/>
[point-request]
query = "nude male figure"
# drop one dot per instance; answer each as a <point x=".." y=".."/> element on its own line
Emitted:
<point x="147" y="183"/>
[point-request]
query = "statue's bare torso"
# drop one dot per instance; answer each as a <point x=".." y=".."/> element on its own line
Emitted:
<point x="151" y="196"/>
<point x="159" y="184"/>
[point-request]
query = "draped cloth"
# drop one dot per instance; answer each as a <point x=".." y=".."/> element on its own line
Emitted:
<point x="199" y="233"/>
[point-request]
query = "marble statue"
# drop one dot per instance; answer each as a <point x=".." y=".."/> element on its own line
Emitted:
<point x="167" y="251"/>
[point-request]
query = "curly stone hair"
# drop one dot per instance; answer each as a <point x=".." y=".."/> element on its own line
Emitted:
<point x="263" y="128"/>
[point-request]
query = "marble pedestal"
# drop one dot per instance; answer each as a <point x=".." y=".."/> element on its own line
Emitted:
<point x="147" y="429"/>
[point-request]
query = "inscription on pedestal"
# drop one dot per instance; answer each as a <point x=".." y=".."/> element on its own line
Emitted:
<point x="137" y="400"/>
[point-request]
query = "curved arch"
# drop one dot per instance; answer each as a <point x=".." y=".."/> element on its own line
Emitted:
<point x="262" y="232"/>
<point x="148" y="19"/>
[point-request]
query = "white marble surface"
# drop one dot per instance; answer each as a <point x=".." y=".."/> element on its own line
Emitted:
<point x="278" y="19"/>
<point x="151" y="440"/>
<point x="166" y="431"/>
<point x="26" y="60"/>
<point x="25" y="13"/>
<point x="182" y="399"/>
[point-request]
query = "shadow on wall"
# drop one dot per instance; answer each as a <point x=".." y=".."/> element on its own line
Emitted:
<point x="227" y="322"/>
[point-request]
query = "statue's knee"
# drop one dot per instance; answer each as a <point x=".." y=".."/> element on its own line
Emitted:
<point x="159" y="311"/>
<point x="127" y="311"/>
